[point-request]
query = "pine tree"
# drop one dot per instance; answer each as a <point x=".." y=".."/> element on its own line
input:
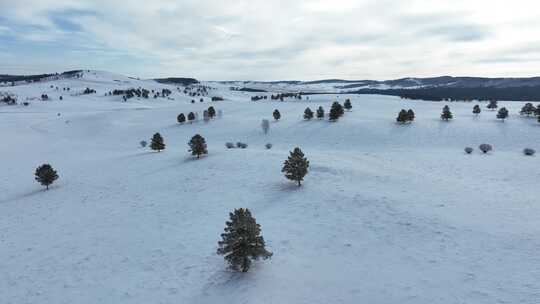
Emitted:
<point x="276" y="114"/>
<point x="191" y="117"/>
<point x="157" y="143"/>
<point x="537" y="111"/>
<point x="308" y="114"/>
<point x="410" y="115"/>
<point x="197" y="146"/>
<point x="296" y="166"/>
<point x="181" y="118"/>
<point x="211" y="112"/>
<point x="46" y="175"/>
<point x="446" y="114"/>
<point x="528" y="109"/>
<point x="476" y="110"/>
<point x="492" y="105"/>
<point x="320" y="113"/>
<point x="347" y="104"/>
<point x="336" y="111"/>
<point x="402" y="117"/>
<point x="503" y="113"/>
<point x="242" y="241"/>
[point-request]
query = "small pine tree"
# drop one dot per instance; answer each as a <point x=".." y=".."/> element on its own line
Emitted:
<point x="46" y="175"/>
<point x="197" y="146"/>
<point x="276" y="114"/>
<point x="476" y="110"/>
<point x="242" y="241"/>
<point x="410" y="115"/>
<point x="336" y="111"/>
<point x="191" y="117"/>
<point x="537" y="111"/>
<point x="157" y="143"/>
<point x="492" y="105"/>
<point x="308" y="114"/>
<point x="320" y="113"/>
<point x="402" y="117"/>
<point x="211" y="112"/>
<point x="181" y="118"/>
<point x="296" y="166"/>
<point x="528" y="109"/>
<point x="446" y="114"/>
<point x="503" y="113"/>
<point x="347" y="104"/>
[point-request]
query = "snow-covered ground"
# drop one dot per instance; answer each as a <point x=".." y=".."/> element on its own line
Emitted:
<point x="387" y="214"/>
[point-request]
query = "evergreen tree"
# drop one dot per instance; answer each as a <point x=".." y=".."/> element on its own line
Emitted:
<point x="308" y="114"/>
<point x="402" y="117"/>
<point x="410" y="115"/>
<point x="46" y="175"/>
<point x="503" y="113"/>
<point x="242" y="241"/>
<point x="446" y="114"/>
<point x="476" y="110"/>
<point x="336" y="111"/>
<point x="197" y="146"/>
<point x="181" y="118"/>
<point x="191" y="117"/>
<point x="296" y="166"/>
<point x="276" y="114"/>
<point x="528" y="109"/>
<point x="211" y="112"/>
<point x="320" y="113"/>
<point x="347" y="104"/>
<point x="157" y="143"/>
<point x="492" y="105"/>
<point x="537" y="111"/>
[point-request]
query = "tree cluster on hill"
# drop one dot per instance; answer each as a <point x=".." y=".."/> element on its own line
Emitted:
<point x="257" y="98"/>
<point x="88" y="91"/>
<point x="8" y="98"/>
<point x="217" y="98"/>
<point x="282" y="96"/>
<point x="196" y="90"/>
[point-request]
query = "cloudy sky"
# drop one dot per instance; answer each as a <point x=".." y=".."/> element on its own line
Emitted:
<point x="272" y="39"/>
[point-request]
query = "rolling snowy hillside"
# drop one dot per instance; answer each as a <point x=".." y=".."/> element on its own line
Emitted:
<point x="388" y="213"/>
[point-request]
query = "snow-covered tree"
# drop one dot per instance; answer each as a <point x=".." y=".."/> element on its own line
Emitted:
<point x="320" y="113"/>
<point x="446" y="114"/>
<point x="276" y="114"/>
<point x="265" y="125"/>
<point x="46" y="175"/>
<point x="476" y="110"/>
<point x="308" y="114"/>
<point x="157" y="143"/>
<point x="242" y="241"/>
<point x="296" y="166"/>
<point x="197" y="146"/>
<point x="503" y="113"/>
<point x="181" y="118"/>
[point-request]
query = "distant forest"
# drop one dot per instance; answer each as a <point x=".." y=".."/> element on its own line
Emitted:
<point x="531" y="93"/>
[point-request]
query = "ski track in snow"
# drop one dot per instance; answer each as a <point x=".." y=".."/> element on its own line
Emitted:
<point x="387" y="213"/>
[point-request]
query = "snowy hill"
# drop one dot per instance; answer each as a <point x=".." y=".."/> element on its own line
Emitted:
<point x="388" y="213"/>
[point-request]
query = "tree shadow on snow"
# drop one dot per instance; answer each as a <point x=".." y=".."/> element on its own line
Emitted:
<point x="23" y="196"/>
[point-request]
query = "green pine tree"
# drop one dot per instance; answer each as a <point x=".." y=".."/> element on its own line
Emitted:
<point x="347" y="104"/>
<point x="476" y="110"/>
<point x="242" y="241"/>
<point x="296" y="166"/>
<point x="336" y="111"/>
<point x="276" y="114"/>
<point x="46" y="175"/>
<point x="410" y="115"/>
<point x="320" y="113"/>
<point x="446" y="114"/>
<point x="503" y="113"/>
<point x="308" y="114"/>
<point x="181" y="118"/>
<point x="157" y="143"/>
<point x="211" y="112"/>
<point x="197" y="146"/>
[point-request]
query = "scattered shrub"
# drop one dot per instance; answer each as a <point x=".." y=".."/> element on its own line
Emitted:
<point x="143" y="143"/>
<point x="529" y="151"/>
<point x="229" y="145"/>
<point x="469" y="150"/>
<point x="268" y="146"/>
<point x="241" y="145"/>
<point x="485" y="148"/>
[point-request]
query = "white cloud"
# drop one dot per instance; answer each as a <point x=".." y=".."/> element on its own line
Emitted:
<point x="277" y="39"/>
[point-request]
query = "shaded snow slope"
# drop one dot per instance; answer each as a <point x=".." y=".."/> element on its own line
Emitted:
<point x="387" y="213"/>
